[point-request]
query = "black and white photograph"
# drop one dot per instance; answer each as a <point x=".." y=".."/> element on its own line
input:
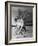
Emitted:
<point x="20" y="22"/>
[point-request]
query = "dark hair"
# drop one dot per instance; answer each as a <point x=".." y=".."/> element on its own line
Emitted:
<point x="15" y="19"/>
